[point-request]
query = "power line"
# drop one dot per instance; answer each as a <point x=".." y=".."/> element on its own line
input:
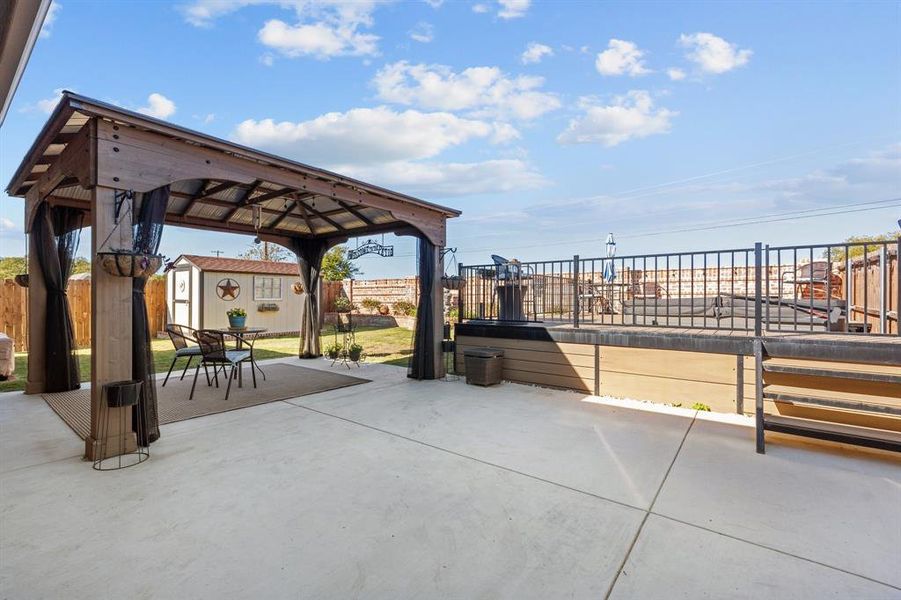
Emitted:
<point x="760" y="219"/>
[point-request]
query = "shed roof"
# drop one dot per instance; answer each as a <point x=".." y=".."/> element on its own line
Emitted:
<point x="240" y="265"/>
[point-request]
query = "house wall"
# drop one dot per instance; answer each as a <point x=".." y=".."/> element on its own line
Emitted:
<point x="286" y="319"/>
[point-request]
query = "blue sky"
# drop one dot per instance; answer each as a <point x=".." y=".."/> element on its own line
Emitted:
<point x="547" y="123"/>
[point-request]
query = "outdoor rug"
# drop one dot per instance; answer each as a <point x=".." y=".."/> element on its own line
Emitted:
<point x="282" y="382"/>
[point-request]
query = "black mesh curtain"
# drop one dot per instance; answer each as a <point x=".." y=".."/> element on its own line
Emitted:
<point x="422" y="363"/>
<point x="148" y="231"/>
<point x="56" y="232"/>
<point x="309" y="259"/>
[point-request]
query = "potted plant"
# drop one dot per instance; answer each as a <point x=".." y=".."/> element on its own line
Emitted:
<point x="355" y="352"/>
<point x="334" y="351"/>
<point x="452" y="282"/>
<point x="236" y="317"/>
<point x="343" y="304"/>
<point x="130" y="263"/>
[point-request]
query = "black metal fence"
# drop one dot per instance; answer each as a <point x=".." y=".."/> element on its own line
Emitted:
<point x="839" y="288"/>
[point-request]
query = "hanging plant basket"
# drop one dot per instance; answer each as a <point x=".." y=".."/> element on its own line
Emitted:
<point x="22" y="279"/>
<point x="297" y="287"/>
<point x="130" y="264"/>
<point x="453" y="282"/>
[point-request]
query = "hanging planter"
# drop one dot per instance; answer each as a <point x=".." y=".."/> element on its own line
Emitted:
<point x="22" y="279"/>
<point x="452" y="282"/>
<point x="130" y="264"/>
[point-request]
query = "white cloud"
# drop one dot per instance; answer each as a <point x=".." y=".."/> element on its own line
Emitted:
<point x="45" y="105"/>
<point x="453" y="179"/>
<point x="369" y="135"/>
<point x="434" y="3"/>
<point x="158" y="106"/>
<point x="513" y="9"/>
<point x="629" y="117"/>
<point x="323" y="28"/>
<point x="423" y="32"/>
<point x="267" y="59"/>
<point x="50" y="19"/>
<point x="321" y="40"/>
<point x="506" y="9"/>
<point x="675" y="74"/>
<point x="713" y="54"/>
<point x="7" y="225"/>
<point x="392" y="148"/>
<point x="534" y="52"/>
<point x="482" y="90"/>
<point x="621" y="58"/>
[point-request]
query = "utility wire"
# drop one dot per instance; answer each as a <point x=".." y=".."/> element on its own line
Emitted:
<point x="723" y="224"/>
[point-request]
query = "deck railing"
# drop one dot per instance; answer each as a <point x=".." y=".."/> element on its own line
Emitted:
<point x="839" y="288"/>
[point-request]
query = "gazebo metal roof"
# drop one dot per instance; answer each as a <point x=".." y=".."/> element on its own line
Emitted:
<point x="295" y="199"/>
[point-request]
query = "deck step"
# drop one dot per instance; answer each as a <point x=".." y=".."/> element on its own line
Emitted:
<point x="835" y="432"/>
<point x="832" y="400"/>
<point x="832" y="373"/>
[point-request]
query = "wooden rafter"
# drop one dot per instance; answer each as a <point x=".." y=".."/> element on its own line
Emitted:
<point x="356" y="213"/>
<point x="306" y="216"/>
<point x="324" y="217"/>
<point x="200" y="193"/>
<point x="242" y="200"/>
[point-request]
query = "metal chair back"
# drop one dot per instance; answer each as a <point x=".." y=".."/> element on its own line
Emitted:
<point x="212" y="345"/>
<point x="180" y="335"/>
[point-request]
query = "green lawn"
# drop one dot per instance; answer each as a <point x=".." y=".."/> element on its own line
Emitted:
<point x="380" y="345"/>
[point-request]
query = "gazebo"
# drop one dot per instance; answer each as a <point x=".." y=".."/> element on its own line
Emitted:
<point x="127" y="176"/>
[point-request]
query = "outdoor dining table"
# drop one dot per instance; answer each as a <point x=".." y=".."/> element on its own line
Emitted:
<point x="243" y="335"/>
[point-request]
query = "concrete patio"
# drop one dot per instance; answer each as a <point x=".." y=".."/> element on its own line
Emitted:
<point x="403" y="489"/>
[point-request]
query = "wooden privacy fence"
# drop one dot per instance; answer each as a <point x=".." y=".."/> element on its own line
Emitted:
<point x="14" y="310"/>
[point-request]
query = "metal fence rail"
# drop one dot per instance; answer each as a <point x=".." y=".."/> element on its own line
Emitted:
<point x="838" y="288"/>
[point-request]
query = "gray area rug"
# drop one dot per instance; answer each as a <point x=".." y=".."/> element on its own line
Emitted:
<point x="282" y="382"/>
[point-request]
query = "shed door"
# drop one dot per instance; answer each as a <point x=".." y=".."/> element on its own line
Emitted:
<point x="181" y="297"/>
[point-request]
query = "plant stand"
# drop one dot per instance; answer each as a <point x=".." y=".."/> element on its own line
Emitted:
<point x="347" y="340"/>
<point x="119" y="453"/>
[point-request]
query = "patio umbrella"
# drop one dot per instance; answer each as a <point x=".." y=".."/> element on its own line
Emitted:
<point x="609" y="267"/>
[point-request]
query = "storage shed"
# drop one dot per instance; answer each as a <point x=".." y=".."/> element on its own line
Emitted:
<point x="200" y="289"/>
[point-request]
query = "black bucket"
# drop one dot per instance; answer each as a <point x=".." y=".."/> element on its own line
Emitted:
<point x="122" y="393"/>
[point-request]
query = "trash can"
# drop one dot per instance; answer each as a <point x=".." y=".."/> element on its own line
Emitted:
<point x="484" y="366"/>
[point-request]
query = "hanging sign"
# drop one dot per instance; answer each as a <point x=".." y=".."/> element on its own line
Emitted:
<point x="370" y="247"/>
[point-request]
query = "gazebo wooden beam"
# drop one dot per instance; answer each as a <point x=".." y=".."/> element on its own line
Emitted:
<point x="164" y="160"/>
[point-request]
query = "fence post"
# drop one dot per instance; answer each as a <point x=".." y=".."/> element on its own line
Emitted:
<point x="758" y="289"/>
<point x="576" y="291"/>
<point x="460" y="292"/>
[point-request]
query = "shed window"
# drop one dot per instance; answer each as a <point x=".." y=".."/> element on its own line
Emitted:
<point x="267" y="288"/>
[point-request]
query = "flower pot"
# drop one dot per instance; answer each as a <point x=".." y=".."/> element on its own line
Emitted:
<point x="122" y="393"/>
<point x="237" y="322"/>
<point x="124" y="264"/>
<point x="452" y="282"/>
<point x="355" y="355"/>
<point x="332" y="354"/>
<point x="22" y="279"/>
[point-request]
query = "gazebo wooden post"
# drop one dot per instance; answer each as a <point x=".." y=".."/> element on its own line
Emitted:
<point x="37" y="308"/>
<point x="110" y="324"/>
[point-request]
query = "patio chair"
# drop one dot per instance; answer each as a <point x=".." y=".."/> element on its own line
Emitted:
<point x="214" y="353"/>
<point x="182" y="338"/>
